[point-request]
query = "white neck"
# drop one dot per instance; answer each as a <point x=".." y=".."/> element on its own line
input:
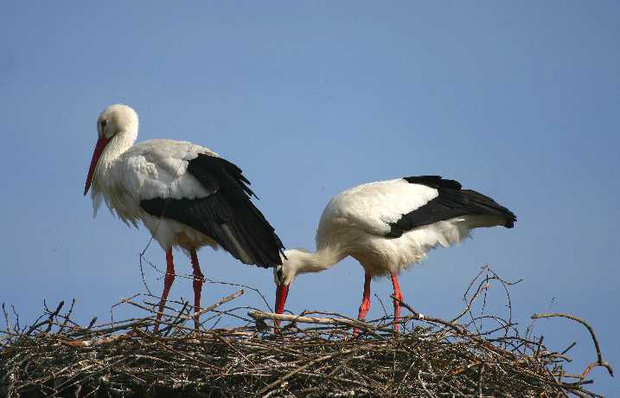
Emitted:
<point x="121" y="142"/>
<point x="320" y="260"/>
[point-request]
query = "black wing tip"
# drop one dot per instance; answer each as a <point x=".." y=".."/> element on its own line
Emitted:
<point x="490" y="205"/>
<point x="270" y="257"/>
<point x="510" y="223"/>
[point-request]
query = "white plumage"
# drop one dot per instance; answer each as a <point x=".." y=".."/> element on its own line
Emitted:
<point x="152" y="169"/>
<point x="387" y="226"/>
<point x="185" y="194"/>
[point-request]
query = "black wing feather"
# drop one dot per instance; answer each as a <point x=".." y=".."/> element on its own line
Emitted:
<point x="228" y="207"/>
<point x="451" y="202"/>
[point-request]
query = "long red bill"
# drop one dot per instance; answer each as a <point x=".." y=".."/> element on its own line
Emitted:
<point x="281" y="294"/>
<point x="101" y="143"/>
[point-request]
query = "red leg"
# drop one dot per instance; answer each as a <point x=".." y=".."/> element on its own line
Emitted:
<point x="399" y="296"/>
<point x="198" y="281"/>
<point x="168" y="279"/>
<point x="365" y="306"/>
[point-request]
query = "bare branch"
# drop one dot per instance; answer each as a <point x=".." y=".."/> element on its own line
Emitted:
<point x="600" y="361"/>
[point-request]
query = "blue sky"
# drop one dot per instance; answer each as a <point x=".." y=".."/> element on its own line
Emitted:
<point x="518" y="101"/>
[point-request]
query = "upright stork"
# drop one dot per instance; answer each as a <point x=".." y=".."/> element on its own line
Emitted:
<point x="185" y="194"/>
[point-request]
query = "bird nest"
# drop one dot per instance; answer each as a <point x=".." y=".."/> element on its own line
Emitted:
<point x="312" y="355"/>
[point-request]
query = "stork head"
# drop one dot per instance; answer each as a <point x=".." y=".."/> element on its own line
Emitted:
<point x="113" y="120"/>
<point x="116" y="118"/>
<point x="294" y="261"/>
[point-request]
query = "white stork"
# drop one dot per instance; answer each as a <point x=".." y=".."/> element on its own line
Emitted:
<point x="387" y="226"/>
<point x="185" y="194"/>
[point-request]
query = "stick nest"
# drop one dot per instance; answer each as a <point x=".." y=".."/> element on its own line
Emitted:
<point x="313" y="355"/>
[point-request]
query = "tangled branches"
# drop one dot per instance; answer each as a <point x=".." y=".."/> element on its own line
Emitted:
<point x="314" y="355"/>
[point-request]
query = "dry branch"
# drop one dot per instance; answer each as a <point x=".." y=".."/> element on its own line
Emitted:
<point x="600" y="361"/>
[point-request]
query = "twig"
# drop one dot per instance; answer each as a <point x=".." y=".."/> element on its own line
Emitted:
<point x="299" y="369"/>
<point x="53" y="315"/>
<point x="259" y="315"/>
<point x="599" y="355"/>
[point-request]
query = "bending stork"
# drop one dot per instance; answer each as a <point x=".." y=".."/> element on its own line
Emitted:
<point x="387" y="226"/>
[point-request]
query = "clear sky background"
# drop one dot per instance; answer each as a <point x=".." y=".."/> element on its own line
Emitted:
<point x="518" y="101"/>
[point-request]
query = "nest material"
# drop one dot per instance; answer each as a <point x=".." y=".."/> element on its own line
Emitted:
<point x="316" y="355"/>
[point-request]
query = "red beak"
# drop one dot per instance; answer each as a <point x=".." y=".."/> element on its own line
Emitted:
<point x="101" y="143"/>
<point x="281" y="294"/>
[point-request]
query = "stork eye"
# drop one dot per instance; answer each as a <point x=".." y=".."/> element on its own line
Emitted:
<point x="279" y="273"/>
<point x="103" y="123"/>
